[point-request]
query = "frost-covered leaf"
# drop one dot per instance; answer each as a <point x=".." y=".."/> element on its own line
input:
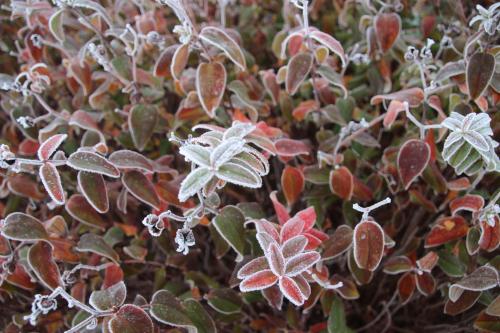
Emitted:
<point x="128" y="159"/>
<point x="109" y="298"/>
<point x="79" y="209"/>
<point x="220" y="39"/>
<point x="483" y="278"/>
<point x="342" y="183"/>
<point x="141" y="187"/>
<point x="56" y="22"/>
<point x="42" y="263"/>
<point x="413" y="157"/>
<point x="225" y="151"/>
<point x="90" y="242"/>
<point x="92" y="162"/>
<point x="210" y="85"/>
<point x="414" y="97"/>
<point x="293" y="182"/>
<point x="397" y="265"/>
<point x="49" y="146"/>
<point x="339" y="242"/>
<point x="331" y="43"/>
<point x="238" y="175"/>
<point x="224" y="300"/>
<point x="298" y="68"/>
<point x="142" y="121"/>
<point x="22" y="227"/>
<point x="368" y="244"/>
<point x="445" y="230"/>
<point x="195" y="153"/>
<point x="332" y="77"/>
<point x="194" y="182"/>
<point x="301" y="262"/>
<point x="94" y="189"/>
<point x="470" y="202"/>
<point x="291" y="290"/>
<point x="130" y="319"/>
<point x="51" y="180"/>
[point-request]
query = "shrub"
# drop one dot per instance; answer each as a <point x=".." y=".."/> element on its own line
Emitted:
<point x="234" y="166"/>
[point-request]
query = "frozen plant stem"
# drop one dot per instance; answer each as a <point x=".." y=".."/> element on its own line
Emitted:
<point x="417" y="123"/>
<point x="366" y="210"/>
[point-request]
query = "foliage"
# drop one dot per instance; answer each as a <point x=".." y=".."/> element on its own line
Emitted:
<point x="252" y="165"/>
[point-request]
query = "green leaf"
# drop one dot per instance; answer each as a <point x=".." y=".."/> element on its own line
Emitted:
<point x="142" y="121"/>
<point x="450" y="264"/>
<point x="96" y="244"/>
<point x="333" y="77"/>
<point x="336" y="319"/>
<point x="225" y="300"/>
<point x="239" y="175"/>
<point x="199" y="316"/>
<point x="194" y="182"/>
<point x="141" y="187"/>
<point x="94" y="189"/>
<point x="56" y="25"/>
<point x="230" y="225"/>
<point x="79" y="209"/>
<point x="167" y="309"/>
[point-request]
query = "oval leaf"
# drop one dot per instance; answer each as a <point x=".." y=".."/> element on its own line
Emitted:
<point x="52" y="182"/>
<point x="142" y="121"/>
<point x="94" y="189"/>
<point x="298" y="68"/>
<point x="79" y="209"/>
<point x="368" y="245"/>
<point x="93" y="243"/>
<point x="22" y="227"/>
<point x="210" y="85"/>
<point x="43" y="265"/>
<point x="141" y="187"/>
<point x="292" y="181"/>
<point x="92" y="162"/>
<point x="480" y="70"/>
<point x="130" y="319"/>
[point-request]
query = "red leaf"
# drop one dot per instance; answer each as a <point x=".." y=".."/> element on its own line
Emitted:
<point x="252" y="267"/>
<point x="42" y="263"/>
<point x="445" y="230"/>
<point x="361" y="191"/>
<point x="52" y="182"/>
<point x="291" y="148"/>
<point x="412" y="160"/>
<point x="342" y="183"/>
<point x="304" y="108"/>
<point x="280" y="210"/>
<point x="291" y="290"/>
<point x="258" y="281"/>
<point x="274" y="296"/>
<point x="291" y="228"/>
<point x="368" y="244"/>
<point x="427" y="262"/>
<point x="210" y="85"/>
<point x="298" y="68"/>
<point x="426" y="283"/>
<point x="275" y="259"/>
<point x="164" y="61"/>
<point x="490" y="235"/>
<point x="406" y="287"/>
<point x="292" y="181"/>
<point x="293" y="246"/>
<point x="470" y="202"/>
<point x="459" y="184"/>
<point x="387" y="28"/>
<point x="300" y="262"/>
<point x="49" y="146"/>
<point x="307" y="215"/>
<point x="414" y="97"/>
<point x="395" y="107"/>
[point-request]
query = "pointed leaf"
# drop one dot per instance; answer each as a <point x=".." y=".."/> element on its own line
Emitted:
<point x="480" y="70"/>
<point x="49" y="146"/>
<point x="230" y="225"/>
<point x="141" y="187"/>
<point x="258" y="281"/>
<point x="90" y="242"/>
<point x="210" y="85"/>
<point x="42" y="263"/>
<point x="298" y="68"/>
<point x="387" y="28"/>
<point x="92" y="162"/>
<point x="79" y="209"/>
<point x="128" y="159"/>
<point x="194" y="182"/>
<point x="142" y="121"/>
<point x="293" y="182"/>
<point x="238" y="175"/>
<point x="413" y="157"/>
<point x="220" y="39"/>
<point x="291" y="291"/>
<point x="51" y="180"/>
<point x="94" y="189"/>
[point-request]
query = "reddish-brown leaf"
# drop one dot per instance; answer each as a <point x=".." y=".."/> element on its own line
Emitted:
<point x="130" y="319"/>
<point x="426" y="283"/>
<point x="210" y="85"/>
<point x="52" y="182"/>
<point x="94" y="189"/>
<point x="490" y="235"/>
<point x="387" y="28"/>
<point x="412" y="160"/>
<point x="342" y="183"/>
<point x="339" y="242"/>
<point x="445" y="230"/>
<point x="49" y="146"/>
<point x="42" y="263"/>
<point x="298" y="68"/>
<point x="164" y="62"/>
<point x="470" y="202"/>
<point x="480" y="70"/>
<point x="414" y="97"/>
<point x="141" y="187"/>
<point x="466" y="300"/>
<point x="406" y="286"/>
<point x="292" y="181"/>
<point x="289" y="147"/>
<point x="368" y="244"/>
